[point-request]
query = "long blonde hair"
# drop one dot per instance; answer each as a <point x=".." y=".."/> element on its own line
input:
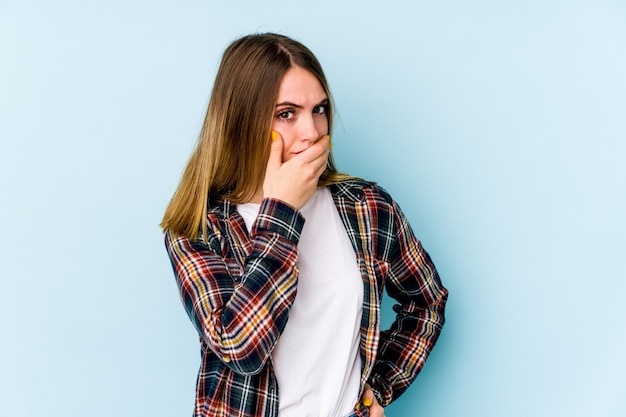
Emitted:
<point x="231" y="154"/>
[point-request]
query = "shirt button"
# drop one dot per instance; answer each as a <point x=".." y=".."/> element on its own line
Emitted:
<point x="226" y="359"/>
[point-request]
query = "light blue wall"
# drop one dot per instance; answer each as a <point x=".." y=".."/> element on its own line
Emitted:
<point x="499" y="126"/>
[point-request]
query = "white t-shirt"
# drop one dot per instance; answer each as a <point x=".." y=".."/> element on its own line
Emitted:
<point x="316" y="359"/>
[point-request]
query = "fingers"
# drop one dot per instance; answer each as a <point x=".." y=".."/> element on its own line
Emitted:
<point x="276" y="150"/>
<point x="295" y="180"/>
<point x="322" y="159"/>
<point x="318" y="150"/>
<point x="368" y="396"/>
<point x="315" y="157"/>
<point x="369" y="400"/>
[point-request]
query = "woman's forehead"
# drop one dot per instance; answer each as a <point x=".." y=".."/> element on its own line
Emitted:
<point x="299" y="86"/>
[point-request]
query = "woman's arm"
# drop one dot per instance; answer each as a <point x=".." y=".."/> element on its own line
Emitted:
<point x="241" y="317"/>
<point x="413" y="281"/>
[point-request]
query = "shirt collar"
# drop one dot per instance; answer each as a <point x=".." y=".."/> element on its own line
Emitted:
<point x="351" y="190"/>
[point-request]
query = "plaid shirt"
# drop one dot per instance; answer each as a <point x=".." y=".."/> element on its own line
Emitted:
<point x="237" y="288"/>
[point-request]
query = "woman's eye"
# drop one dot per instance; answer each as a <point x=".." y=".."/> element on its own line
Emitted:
<point x="320" y="109"/>
<point x="285" y="115"/>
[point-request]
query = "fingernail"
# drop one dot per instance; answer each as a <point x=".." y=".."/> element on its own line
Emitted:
<point x="330" y="144"/>
<point x="274" y="135"/>
<point x="367" y="401"/>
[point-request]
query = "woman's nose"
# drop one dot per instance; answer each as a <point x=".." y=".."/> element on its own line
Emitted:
<point x="308" y="130"/>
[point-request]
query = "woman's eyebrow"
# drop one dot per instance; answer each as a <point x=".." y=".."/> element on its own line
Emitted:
<point x="288" y="103"/>
<point x="297" y="106"/>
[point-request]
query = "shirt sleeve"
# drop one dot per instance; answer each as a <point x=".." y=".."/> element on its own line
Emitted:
<point x="241" y="316"/>
<point x="413" y="281"/>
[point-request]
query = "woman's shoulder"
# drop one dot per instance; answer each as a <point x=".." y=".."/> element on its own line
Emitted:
<point x="217" y="215"/>
<point x="358" y="189"/>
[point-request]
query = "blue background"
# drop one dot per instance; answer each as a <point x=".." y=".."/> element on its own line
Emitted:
<point x="499" y="126"/>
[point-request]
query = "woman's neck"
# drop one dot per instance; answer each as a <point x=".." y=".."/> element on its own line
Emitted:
<point x="257" y="197"/>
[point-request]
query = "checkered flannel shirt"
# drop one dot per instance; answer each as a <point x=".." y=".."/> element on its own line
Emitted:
<point x="237" y="288"/>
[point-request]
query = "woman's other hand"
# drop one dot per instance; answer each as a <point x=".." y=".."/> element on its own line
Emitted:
<point x="295" y="180"/>
<point x="369" y="400"/>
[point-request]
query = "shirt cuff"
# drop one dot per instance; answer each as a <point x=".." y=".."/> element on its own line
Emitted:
<point x="276" y="216"/>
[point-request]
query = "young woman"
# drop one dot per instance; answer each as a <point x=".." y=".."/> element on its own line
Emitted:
<point x="281" y="260"/>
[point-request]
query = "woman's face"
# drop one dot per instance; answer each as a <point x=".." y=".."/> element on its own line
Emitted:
<point x="300" y="117"/>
